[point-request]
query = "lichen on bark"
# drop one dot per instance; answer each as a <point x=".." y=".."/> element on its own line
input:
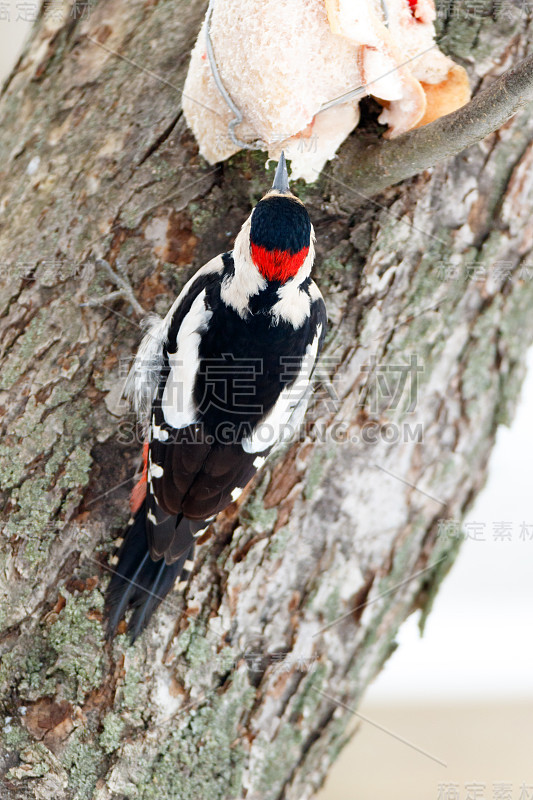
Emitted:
<point x="224" y="696"/>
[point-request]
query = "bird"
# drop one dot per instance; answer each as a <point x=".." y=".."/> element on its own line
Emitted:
<point x="217" y="383"/>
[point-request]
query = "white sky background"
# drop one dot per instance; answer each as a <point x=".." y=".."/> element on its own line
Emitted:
<point x="478" y="641"/>
<point x="12" y="35"/>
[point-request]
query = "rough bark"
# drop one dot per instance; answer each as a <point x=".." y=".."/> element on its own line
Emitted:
<point x="224" y="696"/>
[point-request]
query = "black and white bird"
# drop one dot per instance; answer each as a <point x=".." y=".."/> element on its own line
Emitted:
<point x="218" y="382"/>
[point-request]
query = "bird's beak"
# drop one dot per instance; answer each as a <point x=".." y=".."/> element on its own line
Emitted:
<point x="281" y="178"/>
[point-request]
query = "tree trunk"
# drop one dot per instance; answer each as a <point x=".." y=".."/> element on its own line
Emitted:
<point x="241" y="688"/>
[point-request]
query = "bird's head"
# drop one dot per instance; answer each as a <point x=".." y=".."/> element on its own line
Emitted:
<point x="280" y="230"/>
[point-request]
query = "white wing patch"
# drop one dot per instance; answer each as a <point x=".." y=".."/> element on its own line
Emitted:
<point x="155" y="471"/>
<point x="156" y="432"/>
<point x="177" y="403"/>
<point x="286" y="416"/>
<point x="143" y="379"/>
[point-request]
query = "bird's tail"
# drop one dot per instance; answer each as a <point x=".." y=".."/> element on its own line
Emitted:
<point x="138" y="582"/>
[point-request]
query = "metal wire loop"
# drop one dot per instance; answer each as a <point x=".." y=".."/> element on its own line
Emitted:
<point x="238" y="117"/>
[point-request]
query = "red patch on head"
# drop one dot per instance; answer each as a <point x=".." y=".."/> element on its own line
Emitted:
<point x="277" y="265"/>
<point x="412" y="5"/>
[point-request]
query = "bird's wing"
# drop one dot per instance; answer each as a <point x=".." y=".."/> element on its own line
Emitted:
<point x="190" y="482"/>
<point x="151" y="372"/>
<point x="285" y="418"/>
<point x="190" y="474"/>
<point x="144" y="376"/>
<point x="197" y="478"/>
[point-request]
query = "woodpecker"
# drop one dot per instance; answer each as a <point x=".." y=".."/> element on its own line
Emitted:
<point x="218" y="383"/>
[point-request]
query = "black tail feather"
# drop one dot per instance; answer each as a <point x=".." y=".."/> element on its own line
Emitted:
<point x="138" y="582"/>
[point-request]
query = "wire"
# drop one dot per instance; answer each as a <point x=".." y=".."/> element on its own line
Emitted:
<point x="237" y="119"/>
<point x="237" y="113"/>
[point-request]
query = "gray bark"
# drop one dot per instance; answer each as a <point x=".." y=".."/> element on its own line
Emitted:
<point x="233" y="690"/>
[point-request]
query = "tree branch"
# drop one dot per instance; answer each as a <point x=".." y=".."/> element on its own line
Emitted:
<point x="384" y="163"/>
